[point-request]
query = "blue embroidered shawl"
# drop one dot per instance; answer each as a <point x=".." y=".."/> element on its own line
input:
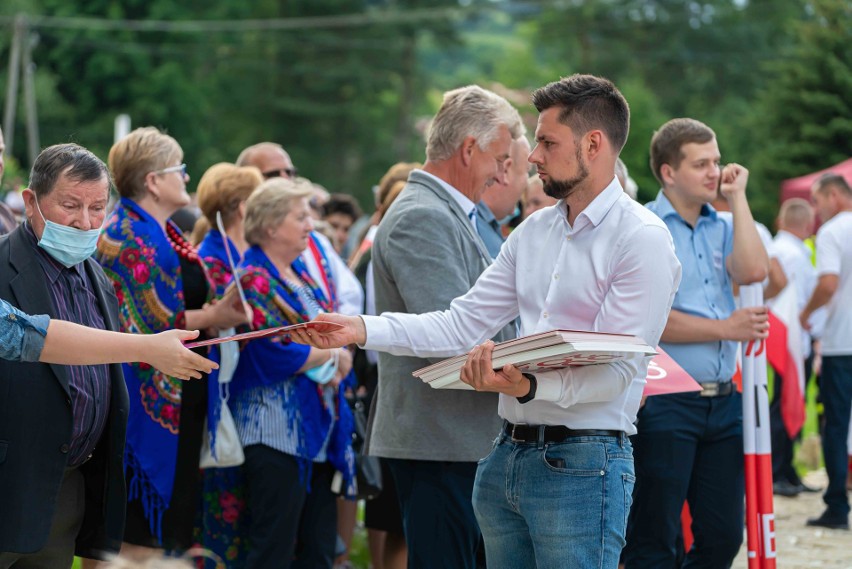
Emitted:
<point x="138" y="257"/>
<point x="276" y="303"/>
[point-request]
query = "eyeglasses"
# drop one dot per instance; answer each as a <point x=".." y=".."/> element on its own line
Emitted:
<point x="281" y="173"/>
<point x="180" y="168"/>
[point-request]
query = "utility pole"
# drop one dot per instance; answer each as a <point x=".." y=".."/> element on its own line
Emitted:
<point x="20" y="32"/>
<point x="30" y="40"/>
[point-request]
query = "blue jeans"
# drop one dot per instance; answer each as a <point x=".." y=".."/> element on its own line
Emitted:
<point x="836" y="387"/>
<point x="554" y="505"/>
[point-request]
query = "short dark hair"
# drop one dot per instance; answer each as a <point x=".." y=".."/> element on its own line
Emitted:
<point x="343" y="204"/>
<point x="71" y="160"/>
<point x="832" y="179"/>
<point x="587" y="102"/>
<point x="667" y="143"/>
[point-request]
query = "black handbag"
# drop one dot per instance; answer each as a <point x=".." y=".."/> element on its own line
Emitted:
<point x="368" y="469"/>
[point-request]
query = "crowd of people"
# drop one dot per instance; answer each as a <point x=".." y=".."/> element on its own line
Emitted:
<point x="109" y="424"/>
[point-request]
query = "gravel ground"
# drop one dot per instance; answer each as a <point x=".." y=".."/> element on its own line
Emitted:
<point x="799" y="546"/>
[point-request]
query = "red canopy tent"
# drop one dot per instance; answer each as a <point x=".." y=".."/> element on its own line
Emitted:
<point x="801" y="187"/>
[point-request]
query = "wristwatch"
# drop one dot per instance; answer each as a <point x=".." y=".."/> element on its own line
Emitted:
<point x="531" y="395"/>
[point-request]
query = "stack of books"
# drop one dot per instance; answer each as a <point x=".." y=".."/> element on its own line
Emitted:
<point x="555" y="349"/>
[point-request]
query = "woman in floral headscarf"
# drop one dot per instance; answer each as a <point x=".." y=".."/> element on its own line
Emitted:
<point x="161" y="283"/>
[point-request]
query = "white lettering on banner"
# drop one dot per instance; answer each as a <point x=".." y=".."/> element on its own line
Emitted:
<point x="655" y="371"/>
<point x="768" y="527"/>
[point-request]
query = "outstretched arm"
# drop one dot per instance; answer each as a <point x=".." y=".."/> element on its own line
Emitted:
<point x="71" y="344"/>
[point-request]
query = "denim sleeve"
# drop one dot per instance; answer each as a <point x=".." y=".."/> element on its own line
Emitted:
<point x="21" y="335"/>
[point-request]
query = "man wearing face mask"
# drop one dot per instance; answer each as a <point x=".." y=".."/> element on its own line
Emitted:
<point x="62" y="428"/>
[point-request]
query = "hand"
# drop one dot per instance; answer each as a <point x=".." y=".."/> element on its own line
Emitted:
<point x="733" y="181"/>
<point x="165" y="351"/>
<point x="353" y="332"/>
<point x="746" y="324"/>
<point x="479" y="373"/>
<point x="804" y="320"/>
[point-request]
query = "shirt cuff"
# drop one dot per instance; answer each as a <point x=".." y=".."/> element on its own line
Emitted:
<point x="34" y="333"/>
<point x="550" y="384"/>
<point x="378" y="333"/>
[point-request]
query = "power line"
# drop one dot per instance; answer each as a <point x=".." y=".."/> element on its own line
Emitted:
<point x="272" y="24"/>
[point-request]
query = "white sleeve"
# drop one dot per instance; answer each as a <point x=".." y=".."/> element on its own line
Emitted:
<point x="471" y="319"/>
<point x="828" y="252"/>
<point x="766" y="239"/>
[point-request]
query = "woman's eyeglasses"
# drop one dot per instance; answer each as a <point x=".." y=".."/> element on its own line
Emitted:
<point x="179" y="168"/>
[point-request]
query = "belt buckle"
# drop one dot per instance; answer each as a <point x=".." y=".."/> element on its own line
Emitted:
<point x="710" y="389"/>
<point x="512" y="434"/>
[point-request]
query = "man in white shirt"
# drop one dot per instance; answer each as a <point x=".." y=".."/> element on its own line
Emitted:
<point x="556" y="488"/>
<point x="832" y="198"/>
<point x="795" y="224"/>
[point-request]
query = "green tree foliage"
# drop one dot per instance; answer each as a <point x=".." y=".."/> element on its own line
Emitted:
<point x="342" y="100"/>
<point x="807" y="119"/>
<point x="770" y="76"/>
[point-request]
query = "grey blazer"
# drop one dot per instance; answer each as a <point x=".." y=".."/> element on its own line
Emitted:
<point x="425" y="254"/>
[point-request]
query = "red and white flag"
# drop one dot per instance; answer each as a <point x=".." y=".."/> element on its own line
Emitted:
<point x="784" y="352"/>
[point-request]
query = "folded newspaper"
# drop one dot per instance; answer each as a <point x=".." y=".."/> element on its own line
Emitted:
<point x="555" y="349"/>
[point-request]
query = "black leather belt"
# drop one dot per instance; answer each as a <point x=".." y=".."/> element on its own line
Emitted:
<point x="551" y="434"/>
<point x="716" y="388"/>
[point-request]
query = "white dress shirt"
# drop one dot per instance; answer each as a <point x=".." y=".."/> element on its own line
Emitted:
<point x="614" y="271"/>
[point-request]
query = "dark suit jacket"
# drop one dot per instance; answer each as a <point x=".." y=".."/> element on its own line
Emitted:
<point x="36" y="423"/>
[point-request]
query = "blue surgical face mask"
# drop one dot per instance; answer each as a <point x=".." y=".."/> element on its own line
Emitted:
<point x="66" y="244"/>
<point x="511" y="216"/>
<point x="324" y="373"/>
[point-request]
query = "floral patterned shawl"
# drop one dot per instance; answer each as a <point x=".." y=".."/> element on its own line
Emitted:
<point x="138" y="257"/>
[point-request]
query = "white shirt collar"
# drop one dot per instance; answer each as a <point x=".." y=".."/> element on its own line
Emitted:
<point x="598" y="208"/>
<point x="464" y="202"/>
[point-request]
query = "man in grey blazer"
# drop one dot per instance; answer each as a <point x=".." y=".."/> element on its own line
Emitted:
<point x="426" y="253"/>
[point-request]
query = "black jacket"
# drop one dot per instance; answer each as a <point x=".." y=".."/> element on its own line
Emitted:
<point x="36" y="424"/>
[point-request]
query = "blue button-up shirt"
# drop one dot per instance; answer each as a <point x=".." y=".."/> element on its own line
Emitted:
<point x="21" y="335"/>
<point x="489" y="229"/>
<point x="705" y="288"/>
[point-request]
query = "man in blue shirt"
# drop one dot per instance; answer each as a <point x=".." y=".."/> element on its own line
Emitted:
<point x="689" y="446"/>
